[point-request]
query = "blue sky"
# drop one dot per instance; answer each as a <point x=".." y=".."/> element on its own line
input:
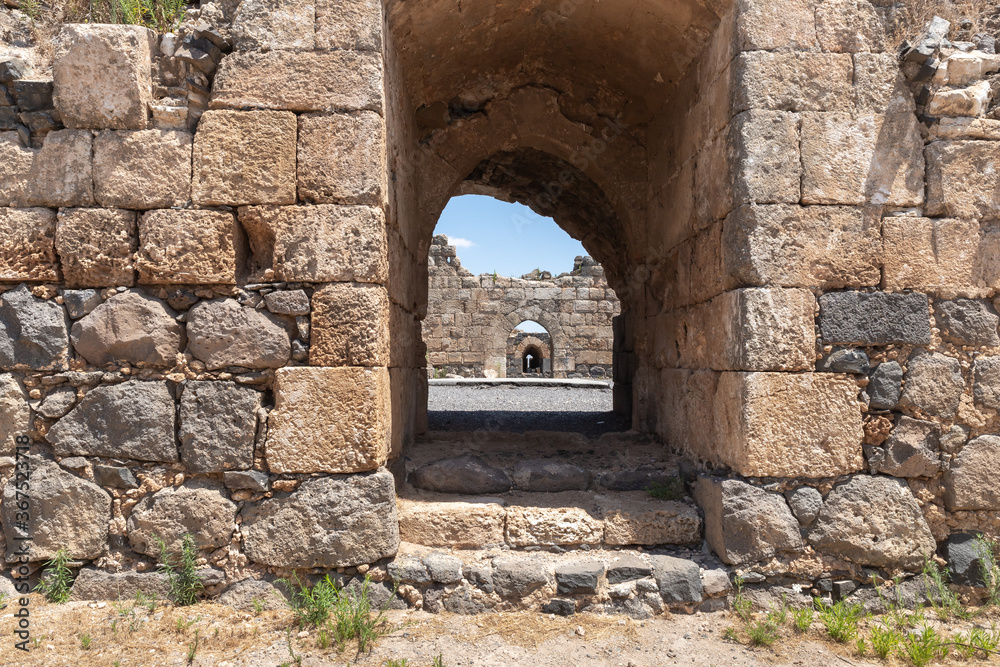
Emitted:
<point x="510" y="239"/>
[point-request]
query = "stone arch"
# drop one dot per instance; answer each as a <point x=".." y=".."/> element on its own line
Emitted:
<point x="500" y="326"/>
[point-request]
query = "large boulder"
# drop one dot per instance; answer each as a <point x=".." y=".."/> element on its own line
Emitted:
<point x="910" y="451"/>
<point x="971" y="483"/>
<point x="873" y="521"/>
<point x="679" y="579"/>
<point x="516" y="576"/>
<point x="337" y="521"/>
<point x="129" y="328"/>
<point x="968" y="322"/>
<point x="223" y="333"/>
<point x="201" y="509"/>
<point x="132" y="420"/>
<point x="66" y="513"/>
<point x="218" y="425"/>
<point x="934" y="384"/>
<point x="743" y="523"/>
<point x="34" y="333"/>
<point x="15" y="415"/>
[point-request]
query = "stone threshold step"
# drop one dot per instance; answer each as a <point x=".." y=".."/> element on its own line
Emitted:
<point x="490" y="466"/>
<point x="567" y="519"/>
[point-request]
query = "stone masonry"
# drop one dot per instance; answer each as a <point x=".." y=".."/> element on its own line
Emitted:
<point x="471" y="319"/>
<point x="215" y="248"/>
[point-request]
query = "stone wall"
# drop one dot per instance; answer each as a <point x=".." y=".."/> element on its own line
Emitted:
<point x="194" y="313"/>
<point x="470" y="318"/>
<point x="223" y="236"/>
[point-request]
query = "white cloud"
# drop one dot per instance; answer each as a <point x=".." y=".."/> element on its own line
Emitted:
<point x="459" y="242"/>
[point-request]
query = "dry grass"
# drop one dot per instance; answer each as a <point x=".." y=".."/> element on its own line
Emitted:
<point x="910" y="17"/>
<point x="223" y="634"/>
<point x="530" y="629"/>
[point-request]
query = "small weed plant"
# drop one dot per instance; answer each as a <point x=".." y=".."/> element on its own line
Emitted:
<point x="86" y="641"/>
<point x="343" y="615"/>
<point x="193" y="647"/>
<point x="57" y="580"/>
<point x="133" y="611"/>
<point x="921" y="647"/>
<point x="671" y="489"/>
<point x="802" y="619"/>
<point x="393" y="662"/>
<point x="884" y="640"/>
<point x="181" y="573"/>
<point x="986" y="550"/>
<point x="944" y="601"/>
<point x="841" y="620"/>
<point x="3" y="600"/>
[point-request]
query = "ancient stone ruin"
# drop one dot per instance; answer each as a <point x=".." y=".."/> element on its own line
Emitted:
<point x="470" y="328"/>
<point x="215" y="248"/>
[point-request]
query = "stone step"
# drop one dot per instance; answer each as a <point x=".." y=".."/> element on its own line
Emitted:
<point x="494" y="463"/>
<point x="532" y="520"/>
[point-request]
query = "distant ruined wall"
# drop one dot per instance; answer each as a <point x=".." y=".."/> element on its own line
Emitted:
<point x="470" y="318"/>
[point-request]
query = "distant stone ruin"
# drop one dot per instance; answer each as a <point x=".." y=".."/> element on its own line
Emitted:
<point x="470" y="328"/>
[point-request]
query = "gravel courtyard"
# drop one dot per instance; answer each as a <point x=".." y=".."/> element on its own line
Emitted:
<point x="517" y="409"/>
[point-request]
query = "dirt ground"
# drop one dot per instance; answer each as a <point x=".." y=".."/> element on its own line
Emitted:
<point x="228" y="638"/>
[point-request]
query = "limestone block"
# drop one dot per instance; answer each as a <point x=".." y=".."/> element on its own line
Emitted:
<point x="638" y="519"/>
<point x="132" y="328"/>
<point x="874" y="318"/>
<point x="349" y="24"/>
<point x="966" y="128"/>
<point x="852" y="159"/>
<point x="244" y="157"/>
<point x="764" y="147"/>
<point x="15" y="169"/>
<point x="329" y="420"/>
<point x="132" y="420"/>
<point x="986" y="382"/>
<point x="461" y="525"/>
<point x="934" y="384"/>
<point x="827" y="247"/>
<point x="342" y="159"/>
<point x="792" y="81"/>
<point x="963" y="179"/>
<point x="937" y="256"/>
<point x="201" y="508"/>
<point x="971" y="484"/>
<point x="67" y="512"/>
<point x="15" y="416"/>
<point x="327" y="522"/>
<point x="963" y="102"/>
<point x="879" y="85"/>
<point x="94" y="584"/>
<point x="218" y="422"/>
<point x="95" y="246"/>
<point x="269" y="25"/>
<point x="300" y="81"/>
<point x="750" y="329"/>
<point x="189" y="247"/>
<point x="321" y="243"/>
<point x="767" y="25"/>
<point x="781" y="425"/>
<point x="33" y="332"/>
<point x="963" y="69"/>
<point x="744" y="523"/>
<point x="143" y="169"/>
<point x="27" y="244"/>
<point x="61" y="170"/>
<point x="873" y="521"/>
<point x="546" y="526"/>
<point x="350" y="326"/>
<point x="849" y="26"/>
<point x="102" y="75"/>
<point x="223" y="333"/>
